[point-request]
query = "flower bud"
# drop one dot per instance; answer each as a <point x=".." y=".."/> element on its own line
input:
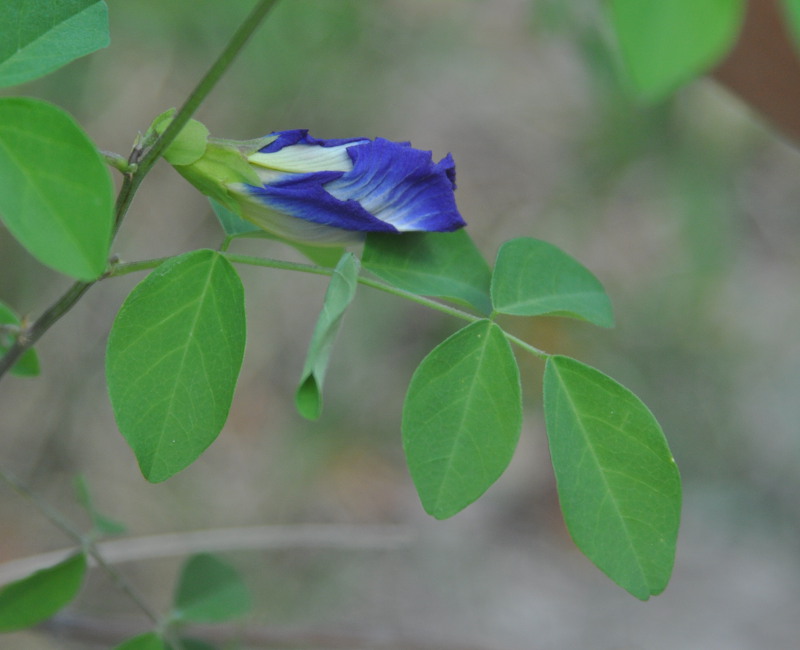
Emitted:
<point x="319" y="191"/>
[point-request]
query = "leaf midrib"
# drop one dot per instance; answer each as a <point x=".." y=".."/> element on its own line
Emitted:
<point x="200" y="300"/>
<point x="608" y="491"/>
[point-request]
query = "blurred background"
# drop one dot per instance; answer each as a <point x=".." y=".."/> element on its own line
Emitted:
<point x="686" y="211"/>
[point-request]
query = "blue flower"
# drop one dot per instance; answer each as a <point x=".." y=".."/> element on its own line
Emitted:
<point x="323" y="191"/>
<point x="335" y="190"/>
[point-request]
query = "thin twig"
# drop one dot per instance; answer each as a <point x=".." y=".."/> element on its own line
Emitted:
<point x="132" y="180"/>
<point x="109" y="631"/>
<point x="318" y="536"/>
<point x="29" y="335"/>
<point x="58" y="520"/>
<point x="207" y="83"/>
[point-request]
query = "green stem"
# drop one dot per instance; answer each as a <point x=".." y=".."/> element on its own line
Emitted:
<point x="88" y="545"/>
<point x="132" y="179"/>
<point x="29" y="335"/>
<point x="541" y="354"/>
<point x="374" y="284"/>
<point x="207" y="83"/>
<point x="386" y="288"/>
<point x="132" y="267"/>
<point x="234" y="258"/>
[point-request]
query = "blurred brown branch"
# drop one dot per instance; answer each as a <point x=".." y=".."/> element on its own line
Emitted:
<point x="763" y="68"/>
<point x="357" y="537"/>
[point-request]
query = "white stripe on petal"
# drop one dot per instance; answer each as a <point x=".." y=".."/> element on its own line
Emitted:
<point x="304" y="158"/>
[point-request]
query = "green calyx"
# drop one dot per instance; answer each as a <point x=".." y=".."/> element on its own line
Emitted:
<point x="188" y="146"/>
<point x="217" y="169"/>
<point x="210" y="164"/>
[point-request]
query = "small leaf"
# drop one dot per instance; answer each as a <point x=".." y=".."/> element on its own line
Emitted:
<point x="618" y="484"/>
<point x="532" y="278"/>
<point x="100" y="523"/>
<point x="33" y="599"/>
<point x="210" y="591"/>
<point x="462" y="418"/>
<point x="443" y="264"/>
<point x="341" y="291"/>
<point x="173" y="358"/>
<point x="149" y="641"/>
<point x="38" y="40"/>
<point x="664" y="44"/>
<point x="234" y="226"/>
<point x="56" y="195"/>
<point x="28" y="364"/>
<point x="791" y="10"/>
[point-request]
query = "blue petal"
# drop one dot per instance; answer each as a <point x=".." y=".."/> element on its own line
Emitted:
<point x="304" y="196"/>
<point x="300" y="136"/>
<point x="279" y="222"/>
<point x="401" y="186"/>
<point x="389" y="187"/>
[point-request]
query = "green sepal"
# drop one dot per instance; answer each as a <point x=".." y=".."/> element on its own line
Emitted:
<point x="215" y="170"/>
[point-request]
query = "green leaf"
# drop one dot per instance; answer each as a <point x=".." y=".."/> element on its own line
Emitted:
<point x="664" y="44"/>
<point x="443" y="264"/>
<point x="462" y="418"/>
<point x="42" y="36"/>
<point x="56" y="195"/>
<point x="532" y="278"/>
<point x="791" y="9"/>
<point x="209" y="590"/>
<point x="232" y="223"/>
<point x="149" y="641"/>
<point x="618" y="484"/>
<point x="100" y="523"/>
<point x="28" y="364"/>
<point x="33" y="599"/>
<point x="174" y="355"/>
<point x="234" y="226"/>
<point x="341" y="291"/>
